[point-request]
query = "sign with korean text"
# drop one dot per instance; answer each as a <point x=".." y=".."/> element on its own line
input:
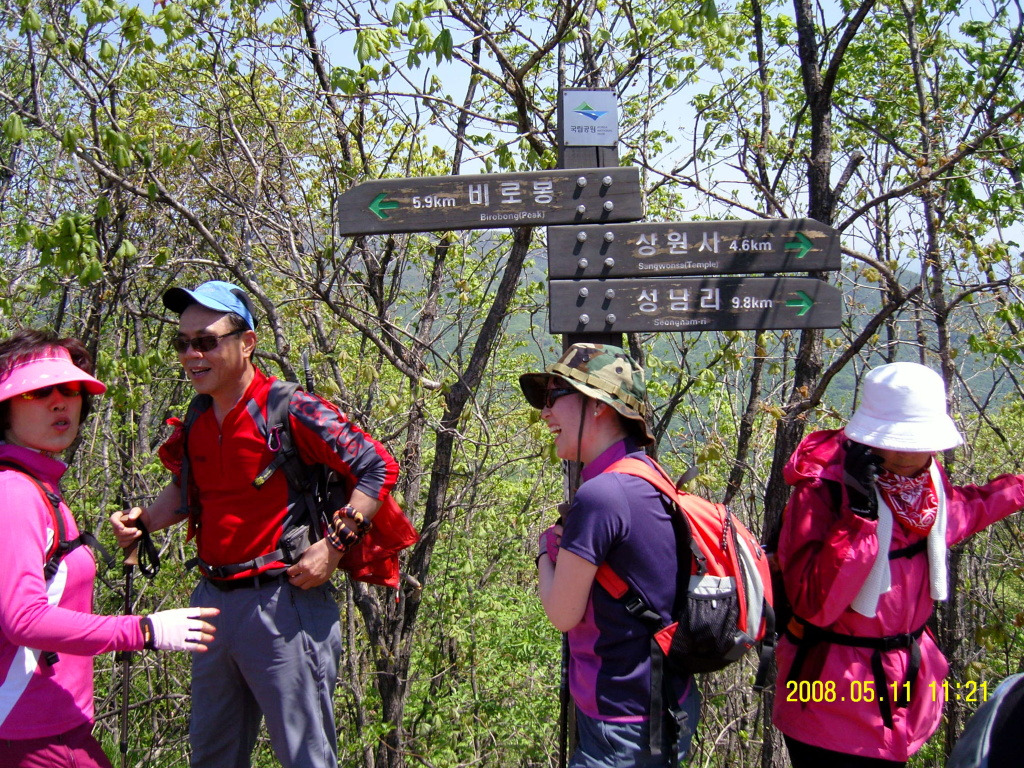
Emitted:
<point x="646" y="249"/>
<point x="590" y="118"/>
<point x="692" y="304"/>
<point x="489" y="201"/>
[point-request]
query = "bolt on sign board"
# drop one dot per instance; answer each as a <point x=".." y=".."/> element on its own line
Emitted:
<point x="491" y="200"/>
<point x="646" y="249"/>
<point x="692" y="304"/>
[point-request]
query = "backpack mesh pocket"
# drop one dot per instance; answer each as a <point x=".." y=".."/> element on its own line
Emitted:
<point x="710" y="639"/>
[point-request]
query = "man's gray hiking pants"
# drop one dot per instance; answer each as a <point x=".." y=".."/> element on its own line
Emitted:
<point x="275" y="656"/>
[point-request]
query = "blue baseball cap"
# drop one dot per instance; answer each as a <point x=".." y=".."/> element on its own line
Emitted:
<point x="216" y="295"/>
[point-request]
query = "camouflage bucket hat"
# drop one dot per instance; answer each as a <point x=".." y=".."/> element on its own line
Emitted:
<point x="600" y="371"/>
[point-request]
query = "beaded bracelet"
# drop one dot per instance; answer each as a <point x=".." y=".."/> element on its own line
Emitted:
<point x="340" y="536"/>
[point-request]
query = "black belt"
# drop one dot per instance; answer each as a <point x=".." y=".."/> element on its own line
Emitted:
<point x="806" y="636"/>
<point x="248" y="582"/>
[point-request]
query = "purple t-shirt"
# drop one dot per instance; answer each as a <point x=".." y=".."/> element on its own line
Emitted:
<point x="623" y="520"/>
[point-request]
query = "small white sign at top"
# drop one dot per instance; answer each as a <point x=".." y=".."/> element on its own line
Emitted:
<point x="590" y="118"/>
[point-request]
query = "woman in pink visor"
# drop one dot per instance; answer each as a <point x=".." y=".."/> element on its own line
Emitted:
<point x="48" y="633"/>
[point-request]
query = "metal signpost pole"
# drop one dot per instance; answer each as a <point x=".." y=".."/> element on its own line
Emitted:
<point x="587" y="137"/>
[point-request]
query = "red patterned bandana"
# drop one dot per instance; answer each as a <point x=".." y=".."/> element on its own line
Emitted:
<point x="913" y="500"/>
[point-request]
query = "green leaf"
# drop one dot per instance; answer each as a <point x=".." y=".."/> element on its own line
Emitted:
<point x="443" y="46"/>
<point x="14" y="128"/>
<point x="107" y="52"/>
<point x="92" y="273"/>
<point x="69" y="140"/>
<point x="126" y="250"/>
<point x="30" y="22"/>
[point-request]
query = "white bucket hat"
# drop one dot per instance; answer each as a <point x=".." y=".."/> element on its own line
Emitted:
<point x="903" y="408"/>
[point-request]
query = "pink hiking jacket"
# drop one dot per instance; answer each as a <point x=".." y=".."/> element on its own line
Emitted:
<point x="36" y="699"/>
<point x="825" y="555"/>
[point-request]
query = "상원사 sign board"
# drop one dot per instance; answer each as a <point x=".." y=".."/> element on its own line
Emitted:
<point x="491" y="200"/>
<point x="692" y="304"/>
<point x="645" y="249"/>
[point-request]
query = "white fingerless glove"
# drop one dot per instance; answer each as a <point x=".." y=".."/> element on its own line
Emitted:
<point x="180" y="629"/>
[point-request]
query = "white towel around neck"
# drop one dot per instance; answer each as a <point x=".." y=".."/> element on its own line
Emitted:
<point x="879" y="580"/>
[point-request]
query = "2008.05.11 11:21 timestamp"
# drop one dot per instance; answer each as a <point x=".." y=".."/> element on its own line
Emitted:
<point x="818" y="691"/>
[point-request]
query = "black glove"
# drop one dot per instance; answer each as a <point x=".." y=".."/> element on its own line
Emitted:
<point x="860" y="468"/>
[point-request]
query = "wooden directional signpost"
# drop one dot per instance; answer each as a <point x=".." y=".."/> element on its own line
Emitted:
<point x="607" y="278"/>
<point x="492" y="200"/>
<point x="634" y="277"/>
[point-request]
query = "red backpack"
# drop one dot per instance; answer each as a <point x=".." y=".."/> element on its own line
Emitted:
<point x="728" y="605"/>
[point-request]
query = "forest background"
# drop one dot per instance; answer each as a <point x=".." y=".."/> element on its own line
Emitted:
<point x="144" y="146"/>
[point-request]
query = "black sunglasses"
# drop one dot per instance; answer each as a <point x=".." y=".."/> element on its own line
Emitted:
<point x="68" y="390"/>
<point x="201" y="343"/>
<point x="550" y="395"/>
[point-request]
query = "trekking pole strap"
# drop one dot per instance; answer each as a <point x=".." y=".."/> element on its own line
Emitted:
<point x="149" y="556"/>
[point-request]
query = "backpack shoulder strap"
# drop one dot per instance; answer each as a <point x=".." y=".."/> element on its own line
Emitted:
<point x="196" y="408"/>
<point x="634" y="602"/>
<point x="658" y="477"/>
<point x="655" y="475"/>
<point x="276" y="429"/>
<point x="614" y="584"/>
<point x="60" y="545"/>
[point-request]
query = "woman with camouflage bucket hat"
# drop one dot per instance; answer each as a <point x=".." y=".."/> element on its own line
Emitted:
<point x="593" y="401"/>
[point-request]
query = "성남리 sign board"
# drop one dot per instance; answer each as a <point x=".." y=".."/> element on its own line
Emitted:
<point x="491" y="200"/>
<point x="646" y="249"/>
<point x="692" y="304"/>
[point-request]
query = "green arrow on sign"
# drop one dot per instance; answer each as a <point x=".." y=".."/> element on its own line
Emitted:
<point x="380" y="205"/>
<point x="802" y="243"/>
<point x="803" y="301"/>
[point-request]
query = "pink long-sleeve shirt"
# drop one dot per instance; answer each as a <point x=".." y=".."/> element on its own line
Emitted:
<point x="37" y="699"/>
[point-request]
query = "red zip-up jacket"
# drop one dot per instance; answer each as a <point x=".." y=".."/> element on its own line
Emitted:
<point x="239" y="522"/>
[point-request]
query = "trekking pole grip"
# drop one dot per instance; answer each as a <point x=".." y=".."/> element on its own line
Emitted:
<point x="131" y="552"/>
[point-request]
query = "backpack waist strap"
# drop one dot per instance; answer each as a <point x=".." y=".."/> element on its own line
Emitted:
<point x="232" y="570"/>
<point x="807" y="635"/>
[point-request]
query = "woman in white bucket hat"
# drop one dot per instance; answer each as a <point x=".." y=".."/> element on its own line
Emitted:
<point x="48" y="632"/>
<point x="863" y="556"/>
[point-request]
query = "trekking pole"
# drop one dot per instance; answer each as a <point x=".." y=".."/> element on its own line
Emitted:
<point x="565" y="727"/>
<point x="563" y="705"/>
<point x="131" y="559"/>
<point x="141" y="553"/>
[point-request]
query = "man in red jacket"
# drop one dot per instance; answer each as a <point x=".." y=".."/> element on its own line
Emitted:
<point x="279" y="642"/>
